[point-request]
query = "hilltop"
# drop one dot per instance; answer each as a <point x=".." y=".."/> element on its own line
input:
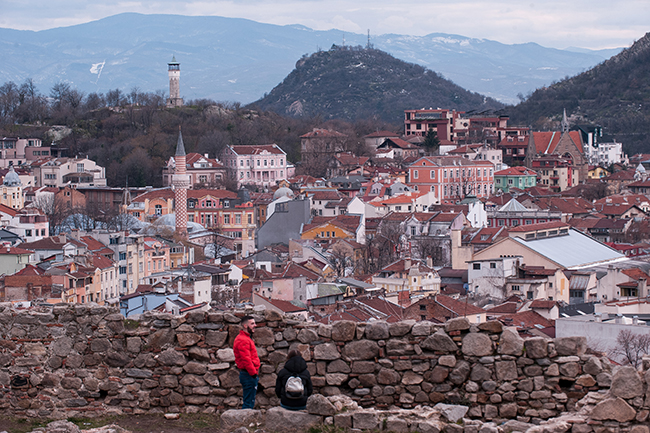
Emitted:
<point x="614" y="94"/>
<point x="357" y="83"/>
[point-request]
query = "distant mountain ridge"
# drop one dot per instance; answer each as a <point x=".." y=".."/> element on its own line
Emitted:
<point x="230" y="59"/>
<point x="614" y="94"/>
<point x="356" y="83"/>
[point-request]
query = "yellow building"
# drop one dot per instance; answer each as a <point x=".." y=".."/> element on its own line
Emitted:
<point x="12" y="190"/>
<point x="596" y="172"/>
<point x="327" y="229"/>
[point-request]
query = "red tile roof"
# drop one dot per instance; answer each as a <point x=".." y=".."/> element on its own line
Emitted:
<point x="505" y="308"/>
<point x="542" y="304"/>
<point x="527" y="318"/>
<point x="92" y="243"/>
<point x="14" y="251"/>
<point x="285" y="306"/>
<point x="516" y="171"/>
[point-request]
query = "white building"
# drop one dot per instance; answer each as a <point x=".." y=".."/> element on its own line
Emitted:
<point x="263" y="165"/>
<point x="79" y="172"/>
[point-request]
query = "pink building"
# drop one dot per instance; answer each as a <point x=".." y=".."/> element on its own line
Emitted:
<point x="263" y="165"/>
<point x="15" y="150"/>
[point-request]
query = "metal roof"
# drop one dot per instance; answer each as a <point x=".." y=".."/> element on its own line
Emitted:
<point x="574" y="250"/>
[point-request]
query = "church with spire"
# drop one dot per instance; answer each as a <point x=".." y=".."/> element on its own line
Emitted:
<point x="552" y="153"/>
<point x="180" y="185"/>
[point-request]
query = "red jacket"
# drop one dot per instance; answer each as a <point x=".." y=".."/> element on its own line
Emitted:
<point x="246" y="354"/>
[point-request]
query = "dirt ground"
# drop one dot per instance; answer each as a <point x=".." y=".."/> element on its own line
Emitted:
<point x="187" y="423"/>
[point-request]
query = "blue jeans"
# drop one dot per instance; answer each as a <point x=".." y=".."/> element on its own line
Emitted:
<point x="249" y="383"/>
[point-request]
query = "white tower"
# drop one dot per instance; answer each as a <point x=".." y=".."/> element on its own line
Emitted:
<point x="174" y="72"/>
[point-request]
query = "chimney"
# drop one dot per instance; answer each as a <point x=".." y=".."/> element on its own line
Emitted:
<point x="430" y="262"/>
<point x="643" y="288"/>
<point x="407" y="264"/>
<point x="206" y="155"/>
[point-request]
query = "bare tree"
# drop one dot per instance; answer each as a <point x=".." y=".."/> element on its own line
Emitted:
<point x="55" y="208"/>
<point x="630" y="347"/>
<point x="427" y="246"/>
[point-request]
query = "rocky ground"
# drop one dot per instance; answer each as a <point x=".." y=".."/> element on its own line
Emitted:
<point x="597" y="413"/>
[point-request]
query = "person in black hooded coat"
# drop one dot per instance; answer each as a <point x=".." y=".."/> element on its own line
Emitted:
<point x="295" y="366"/>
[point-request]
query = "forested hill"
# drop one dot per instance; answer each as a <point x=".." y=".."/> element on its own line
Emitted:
<point x="615" y="94"/>
<point x="356" y="83"/>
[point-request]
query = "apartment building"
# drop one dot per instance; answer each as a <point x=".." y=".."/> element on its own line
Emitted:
<point x="452" y="178"/>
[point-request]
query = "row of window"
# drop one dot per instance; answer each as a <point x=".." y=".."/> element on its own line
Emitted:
<point x="469" y="172"/>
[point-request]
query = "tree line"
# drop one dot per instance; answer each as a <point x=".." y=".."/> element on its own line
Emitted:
<point x="133" y="134"/>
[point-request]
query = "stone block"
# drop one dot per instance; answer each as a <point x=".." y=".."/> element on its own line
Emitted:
<point x="536" y="347"/>
<point x="475" y="344"/>
<point x="365" y="420"/>
<point x="234" y="418"/>
<point x="344" y="330"/>
<point x="626" y="383"/>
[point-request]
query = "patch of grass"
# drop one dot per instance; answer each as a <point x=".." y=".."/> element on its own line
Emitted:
<point x="201" y="422"/>
<point x="24" y="425"/>
<point x="131" y="324"/>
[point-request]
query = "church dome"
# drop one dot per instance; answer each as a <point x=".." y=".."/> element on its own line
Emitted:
<point x="11" y="178"/>
<point x="282" y="192"/>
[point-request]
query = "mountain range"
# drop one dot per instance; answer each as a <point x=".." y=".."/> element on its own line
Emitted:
<point x="230" y="59"/>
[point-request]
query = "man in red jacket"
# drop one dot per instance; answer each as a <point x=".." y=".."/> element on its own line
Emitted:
<point x="247" y="361"/>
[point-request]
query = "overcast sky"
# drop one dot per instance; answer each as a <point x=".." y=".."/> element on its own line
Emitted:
<point x="552" y="23"/>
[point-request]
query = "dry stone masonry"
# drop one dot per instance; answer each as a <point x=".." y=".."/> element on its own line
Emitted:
<point x="78" y="360"/>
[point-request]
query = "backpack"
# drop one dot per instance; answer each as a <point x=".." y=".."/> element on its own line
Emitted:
<point x="294" y="388"/>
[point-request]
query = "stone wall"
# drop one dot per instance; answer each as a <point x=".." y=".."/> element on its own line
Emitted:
<point x="76" y="360"/>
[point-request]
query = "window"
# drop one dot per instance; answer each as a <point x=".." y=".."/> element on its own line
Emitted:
<point x="122" y="256"/>
<point x="415" y="174"/>
<point x="28" y="232"/>
<point x="515" y="288"/>
<point x="493" y="265"/>
<point x="80" y="168"/>
<point x="423" y="307"/>
<point x="476" y="266"/>
<point x="432" y="174"/>
<point x="529" y="295"/>
<point x="237" y="219"/>
<point x="158" y="209"/>
<point x="226" y="219"/>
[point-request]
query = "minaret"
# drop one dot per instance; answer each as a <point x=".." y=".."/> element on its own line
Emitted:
<point x="180" y="184"/>
<point x="174" y="71"/>
<point x="565" y="122"/>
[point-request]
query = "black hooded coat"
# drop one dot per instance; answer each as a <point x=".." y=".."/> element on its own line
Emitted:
<point x="295" y="366"/>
